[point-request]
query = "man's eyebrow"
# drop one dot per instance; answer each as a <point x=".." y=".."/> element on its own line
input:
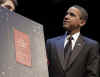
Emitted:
<point x="72" y="14"/>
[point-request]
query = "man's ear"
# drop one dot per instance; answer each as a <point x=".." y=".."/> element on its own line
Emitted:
<point x="83" y="22"/>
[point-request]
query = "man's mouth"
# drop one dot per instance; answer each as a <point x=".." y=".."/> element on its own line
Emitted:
<point x="66" y="21"/>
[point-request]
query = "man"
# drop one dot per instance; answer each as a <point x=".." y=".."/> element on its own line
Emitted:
<point x="81" y="58"/>
<point x="10" y="4"/>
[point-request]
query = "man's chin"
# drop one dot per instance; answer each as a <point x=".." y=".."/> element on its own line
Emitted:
<point x="66" y="28"/>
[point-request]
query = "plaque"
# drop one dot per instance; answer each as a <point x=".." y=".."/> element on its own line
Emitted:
<point x="22" y="45"/>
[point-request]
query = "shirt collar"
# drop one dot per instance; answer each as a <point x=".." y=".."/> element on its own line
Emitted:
<point x="75" y="36"/>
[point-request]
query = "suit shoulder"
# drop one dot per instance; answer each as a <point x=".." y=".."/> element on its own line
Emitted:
<point x="55" y="38"/>
<point x="90" y="41"/>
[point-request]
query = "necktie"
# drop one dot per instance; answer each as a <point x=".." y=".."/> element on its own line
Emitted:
<point x="68" y="46"/>
<point x="67" y="52"/>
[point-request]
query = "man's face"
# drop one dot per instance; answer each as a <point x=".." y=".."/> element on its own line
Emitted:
<point x="72" y="19"/>
<point x="9" y="4"/>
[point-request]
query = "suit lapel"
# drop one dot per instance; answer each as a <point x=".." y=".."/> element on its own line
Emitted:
<point x="60" y="49"/>
<point x="77" y="49"/>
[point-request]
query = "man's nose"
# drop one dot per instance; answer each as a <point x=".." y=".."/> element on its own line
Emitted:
<point x="66" y="17"/>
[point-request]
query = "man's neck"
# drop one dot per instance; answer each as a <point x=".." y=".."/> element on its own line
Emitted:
<point x="74" y="31"/>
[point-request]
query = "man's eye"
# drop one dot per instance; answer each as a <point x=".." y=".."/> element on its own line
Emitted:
<point x="72" y="14"/>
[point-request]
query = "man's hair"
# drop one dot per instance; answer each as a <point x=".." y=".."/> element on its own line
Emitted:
<point x="3" y="1"/>
<point x="84" y="13"/>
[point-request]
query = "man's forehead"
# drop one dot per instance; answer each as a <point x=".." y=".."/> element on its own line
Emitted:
<point x="74" y="10"/>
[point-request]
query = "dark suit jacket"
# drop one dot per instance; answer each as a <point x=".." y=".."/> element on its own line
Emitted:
<point x="83" y="62"/>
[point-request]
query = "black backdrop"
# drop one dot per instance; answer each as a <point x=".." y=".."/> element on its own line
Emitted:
<point x="50" y="13"/>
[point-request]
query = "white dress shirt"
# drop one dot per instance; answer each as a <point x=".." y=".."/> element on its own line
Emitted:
<point x="75" y="37"/>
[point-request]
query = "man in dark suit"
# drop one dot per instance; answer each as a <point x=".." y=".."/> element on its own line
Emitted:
<point x="78" y="59"/>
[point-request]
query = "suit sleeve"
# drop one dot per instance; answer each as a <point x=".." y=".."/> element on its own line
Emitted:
<point x="48" y="49"/>
<point x="93" y="61"/>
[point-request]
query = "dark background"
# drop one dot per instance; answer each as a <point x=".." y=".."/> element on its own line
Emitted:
<point x="50" y="14"/>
